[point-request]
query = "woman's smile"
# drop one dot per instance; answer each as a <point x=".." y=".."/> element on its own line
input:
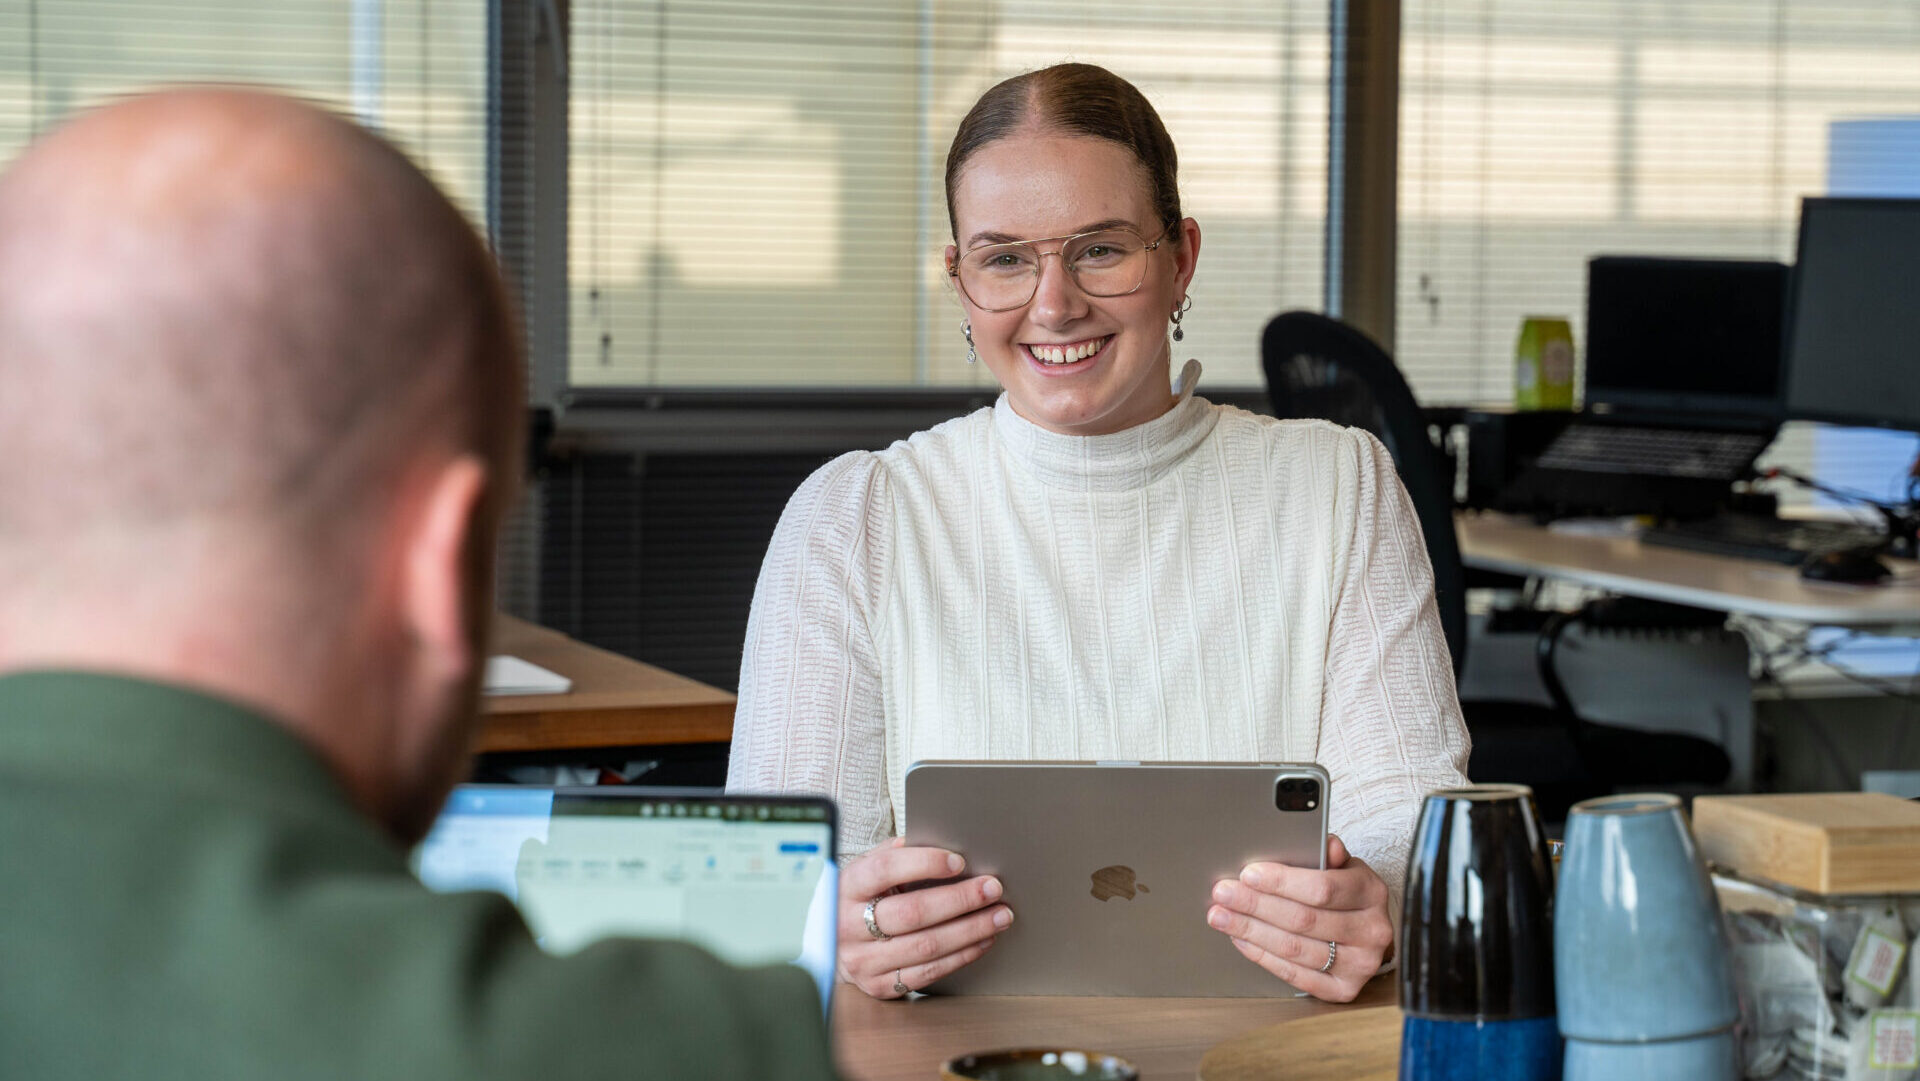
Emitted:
<point x="1061" y="358"/>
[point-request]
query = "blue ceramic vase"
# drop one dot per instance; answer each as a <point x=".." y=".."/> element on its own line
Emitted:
<point x="1640" y="953"/>
<point x="1476" y="945"/>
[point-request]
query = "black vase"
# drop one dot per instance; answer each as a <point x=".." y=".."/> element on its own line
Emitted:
<point x="1476" y="942"/>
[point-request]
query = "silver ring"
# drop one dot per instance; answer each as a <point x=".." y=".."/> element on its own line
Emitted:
<point x="1333" y="950"/>
<point x="899" y="985"/>
<point x="872" y="927"/>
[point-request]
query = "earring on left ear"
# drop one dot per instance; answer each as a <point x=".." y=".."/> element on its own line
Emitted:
<point x="966" y="331"/>
<point x="1186" y="305"/>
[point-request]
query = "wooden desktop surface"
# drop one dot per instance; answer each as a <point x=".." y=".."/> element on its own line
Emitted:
<point x="1499" y="542"/>
<point x="615" y="701"/>
<point x="907" y="1040"/>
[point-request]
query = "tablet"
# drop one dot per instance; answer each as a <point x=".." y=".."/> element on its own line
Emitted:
<point x="1109" y="866"/>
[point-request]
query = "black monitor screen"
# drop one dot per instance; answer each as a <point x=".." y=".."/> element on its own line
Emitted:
<point x="1853" y="354"/>
<point x="1699" y="336"/>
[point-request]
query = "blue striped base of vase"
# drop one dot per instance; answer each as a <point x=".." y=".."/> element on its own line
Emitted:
<point x="1527" y="1050"/>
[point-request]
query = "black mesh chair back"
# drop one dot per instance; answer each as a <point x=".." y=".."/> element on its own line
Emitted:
<point x="1318" y="367"/>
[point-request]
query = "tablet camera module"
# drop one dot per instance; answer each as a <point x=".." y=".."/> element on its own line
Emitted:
<point x="1297" y="793"/>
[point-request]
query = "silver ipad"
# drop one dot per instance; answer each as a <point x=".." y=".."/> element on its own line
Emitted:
<point x="1109" y="866"/>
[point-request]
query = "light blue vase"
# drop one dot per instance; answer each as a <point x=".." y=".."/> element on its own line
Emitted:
<point x="1696" y="1058"/>
<point x="1640" y="953"/>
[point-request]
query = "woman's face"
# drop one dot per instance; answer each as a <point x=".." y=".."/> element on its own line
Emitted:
<point x="1034" y="185"/>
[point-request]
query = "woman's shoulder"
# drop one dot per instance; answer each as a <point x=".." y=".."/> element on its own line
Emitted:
<point x="946" y="450"/>
<point x="1321" y="442"/>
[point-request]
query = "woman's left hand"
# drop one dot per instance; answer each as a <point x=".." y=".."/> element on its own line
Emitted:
<point x="1283" y="918"/>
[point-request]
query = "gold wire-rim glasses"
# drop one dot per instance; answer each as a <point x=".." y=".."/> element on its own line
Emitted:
<point x="1146" y="248"/>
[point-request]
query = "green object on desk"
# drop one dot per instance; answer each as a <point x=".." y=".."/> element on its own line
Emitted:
<point x="188" y="894"/>
<point x="1543" y="364"/>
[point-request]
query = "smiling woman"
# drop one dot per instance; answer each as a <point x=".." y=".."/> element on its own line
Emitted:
<point x="1099" y="566"/>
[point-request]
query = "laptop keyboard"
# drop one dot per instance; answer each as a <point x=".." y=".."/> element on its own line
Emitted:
<point x="1654" y="452"/>
<point x="1775" y="540"/>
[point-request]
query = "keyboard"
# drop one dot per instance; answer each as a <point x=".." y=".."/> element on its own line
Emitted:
<point x="1775" y="540"/>
<point x="1654" y="452"/>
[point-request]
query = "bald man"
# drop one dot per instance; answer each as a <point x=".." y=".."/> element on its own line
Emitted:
<point x="259" y="397"/>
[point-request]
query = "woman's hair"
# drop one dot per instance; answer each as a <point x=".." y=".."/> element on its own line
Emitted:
<point x="1074" y="99"/>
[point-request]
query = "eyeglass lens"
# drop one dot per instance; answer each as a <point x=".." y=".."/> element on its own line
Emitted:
<point x="1103" y="264"/>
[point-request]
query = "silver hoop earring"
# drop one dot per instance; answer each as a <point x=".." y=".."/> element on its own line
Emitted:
<point x="1186" y="305"/>
<point x="966" y="331"/>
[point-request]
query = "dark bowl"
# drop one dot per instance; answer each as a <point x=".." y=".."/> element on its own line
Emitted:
<point x="1039" y="1064"/>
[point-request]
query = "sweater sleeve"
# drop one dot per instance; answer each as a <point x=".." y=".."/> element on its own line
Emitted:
<point x="1390" y="726"/>
<point x="811" y="715"/>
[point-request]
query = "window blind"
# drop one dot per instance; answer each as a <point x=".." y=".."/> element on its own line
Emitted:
<point x="756" y="187"/>
<point x="413" y="69"/>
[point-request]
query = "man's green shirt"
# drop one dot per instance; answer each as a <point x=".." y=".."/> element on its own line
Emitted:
<point x="185" y="892"/>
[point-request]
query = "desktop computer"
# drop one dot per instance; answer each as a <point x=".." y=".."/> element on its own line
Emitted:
<point x="1852" y="357"/>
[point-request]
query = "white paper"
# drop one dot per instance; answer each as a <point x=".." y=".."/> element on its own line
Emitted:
<point x="511" y="675"/>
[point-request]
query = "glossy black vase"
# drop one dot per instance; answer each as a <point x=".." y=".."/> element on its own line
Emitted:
<point x="1477" y="926"/>
<point x="1476" y="943"/>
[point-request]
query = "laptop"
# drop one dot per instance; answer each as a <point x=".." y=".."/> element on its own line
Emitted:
<point x="1109" y="866"/>
<point x="750" y="878"/>
<point x="1683" y="390"/>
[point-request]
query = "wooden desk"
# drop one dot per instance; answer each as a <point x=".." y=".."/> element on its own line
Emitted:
<point x="615" y="702"/>
<point x="1165" y="1037"/>
<point x="1499" y="542"/>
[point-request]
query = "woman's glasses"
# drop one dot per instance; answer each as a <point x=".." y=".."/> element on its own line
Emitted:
<point x="1103" y="263"/>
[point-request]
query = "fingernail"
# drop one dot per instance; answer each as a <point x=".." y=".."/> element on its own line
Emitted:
<point x="1222" y="892"/>
<point x="1003" y="919"/>
<point x="991" y="889"/>
<point x="1218" y="917"/>
<point x="954" y="862"/>
<point x="1243" y="945"/>
<point x="986" y="943"/>
<point x="1250" y="876"/>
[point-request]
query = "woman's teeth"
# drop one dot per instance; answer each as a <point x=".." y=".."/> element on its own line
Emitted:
<point x="1066" y="354"/>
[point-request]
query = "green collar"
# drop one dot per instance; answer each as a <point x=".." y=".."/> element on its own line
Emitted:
<point x="120" y="730"/>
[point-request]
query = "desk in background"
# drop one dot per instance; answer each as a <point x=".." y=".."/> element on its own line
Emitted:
<point x="1498" y="542"/>
<point x="615" y="701"/>
<point x="907" y="1040"/>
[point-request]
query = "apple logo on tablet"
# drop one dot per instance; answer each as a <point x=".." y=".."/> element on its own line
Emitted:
<point x="1116" y="881"/>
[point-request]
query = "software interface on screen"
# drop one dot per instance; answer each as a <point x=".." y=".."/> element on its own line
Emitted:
<point x="753" y="881"/>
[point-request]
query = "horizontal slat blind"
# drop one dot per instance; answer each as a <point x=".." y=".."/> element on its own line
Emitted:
<point x="415" y="69"/>
<point x="756" y="186"/>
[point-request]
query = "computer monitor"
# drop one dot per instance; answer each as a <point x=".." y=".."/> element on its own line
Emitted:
<point x="1698" y="338"/>
<point x="1853" y="343"/>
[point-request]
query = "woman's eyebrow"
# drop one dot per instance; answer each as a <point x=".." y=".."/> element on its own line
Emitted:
<point x="991" y="237"/>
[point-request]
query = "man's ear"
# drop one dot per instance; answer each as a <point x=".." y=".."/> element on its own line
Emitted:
<point x="437" y="589"/>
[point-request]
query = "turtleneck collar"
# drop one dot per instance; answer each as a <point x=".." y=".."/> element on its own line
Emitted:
<point x="1121" y="461"/>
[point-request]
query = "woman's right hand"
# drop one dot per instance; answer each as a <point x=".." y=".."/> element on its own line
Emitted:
<point x="931" y="931"/>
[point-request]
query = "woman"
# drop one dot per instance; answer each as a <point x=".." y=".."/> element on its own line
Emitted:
<point x="1097" y="567"/>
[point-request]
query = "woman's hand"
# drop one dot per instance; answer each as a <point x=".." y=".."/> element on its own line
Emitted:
<point x="1282" y="918"/>
<point x="930" y="931"/>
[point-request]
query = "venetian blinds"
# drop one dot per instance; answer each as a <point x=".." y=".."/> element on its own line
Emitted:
<point x="413" y="69"/>
<point x="756" y="187"/>
<point x="1535" y="135"/>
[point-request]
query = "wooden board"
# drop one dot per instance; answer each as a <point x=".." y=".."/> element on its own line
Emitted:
<point x="1841" y="842"/>
<point x="1356" y="1045"/>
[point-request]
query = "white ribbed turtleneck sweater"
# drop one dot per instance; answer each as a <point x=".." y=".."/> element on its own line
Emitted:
<point x="1210" y="585"/>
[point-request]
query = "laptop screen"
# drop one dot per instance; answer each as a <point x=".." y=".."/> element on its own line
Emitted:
<point x="1699" y="337"/>
<point x="750" y="878"/>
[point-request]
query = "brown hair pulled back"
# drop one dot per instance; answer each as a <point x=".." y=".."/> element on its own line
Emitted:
<point x="1077" y="99"/>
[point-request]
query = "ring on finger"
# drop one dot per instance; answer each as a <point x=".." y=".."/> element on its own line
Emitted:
<point x="1333" y="950"/>
<point x="872" y="927"/>
<point x="899" y="984"/>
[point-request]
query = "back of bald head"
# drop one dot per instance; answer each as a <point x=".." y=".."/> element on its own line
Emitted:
<point x="225" y="311"/>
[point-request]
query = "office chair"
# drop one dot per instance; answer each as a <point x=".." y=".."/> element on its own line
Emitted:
<point x="1319" y="367"/>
